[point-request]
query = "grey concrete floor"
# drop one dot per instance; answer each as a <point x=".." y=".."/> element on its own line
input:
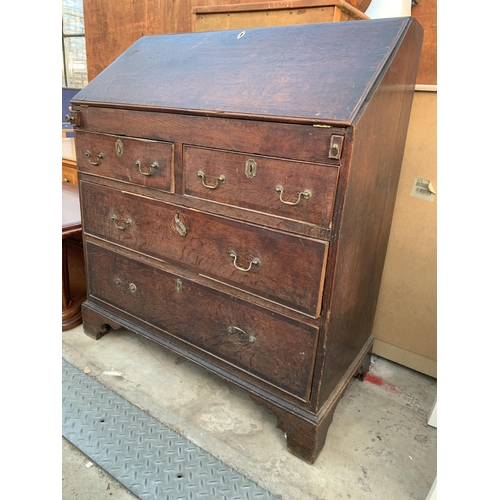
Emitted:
<point x="379" y="445"/>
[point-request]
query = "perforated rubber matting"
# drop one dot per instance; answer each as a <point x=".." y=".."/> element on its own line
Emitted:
<point x="144" y="455"/>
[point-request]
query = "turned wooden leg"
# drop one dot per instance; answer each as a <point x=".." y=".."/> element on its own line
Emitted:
<point x="95" y="325"/>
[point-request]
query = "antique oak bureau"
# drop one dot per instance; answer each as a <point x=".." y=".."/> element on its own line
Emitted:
<point x="237" y="191"/>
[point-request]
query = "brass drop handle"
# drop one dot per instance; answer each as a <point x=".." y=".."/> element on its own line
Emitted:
<point x="220" y="180"/>
<point x="334" y="151"/>
<point x="243" y="336"/>
<point x="255" y="261"/>
<point x="131" y="286"/>
<point x="100" y="157"/>
<point x="152" y="167"/>
<point x="305" y="194"/>
<point x="123" y="225"/>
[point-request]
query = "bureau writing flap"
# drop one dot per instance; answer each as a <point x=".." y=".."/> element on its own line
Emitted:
<point x="315" y="72"/>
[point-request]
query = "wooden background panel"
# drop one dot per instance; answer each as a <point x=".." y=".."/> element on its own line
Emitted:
<point x="426" y="14"/>
<point x="111" y="27"/>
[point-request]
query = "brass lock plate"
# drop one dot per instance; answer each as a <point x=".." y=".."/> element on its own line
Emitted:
<point x="336" y="144"/>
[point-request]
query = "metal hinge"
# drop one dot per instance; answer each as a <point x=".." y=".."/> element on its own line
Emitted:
<point x="73" y="117"/>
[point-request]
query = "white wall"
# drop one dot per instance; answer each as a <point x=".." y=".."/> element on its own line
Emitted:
<point x="388" y="8"/>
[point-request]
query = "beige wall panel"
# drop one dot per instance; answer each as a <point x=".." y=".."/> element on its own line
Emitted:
<point x="406" y="318"/>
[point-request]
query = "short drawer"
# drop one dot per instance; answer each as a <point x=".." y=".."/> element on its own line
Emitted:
<point x="286" y="188"/>
<point x="140" y="161"/>
<point x="278" y="266"/>
<point x="264" y="344"/>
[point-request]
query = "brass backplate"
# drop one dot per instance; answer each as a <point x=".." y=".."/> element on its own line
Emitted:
<point x="336" y="143"/>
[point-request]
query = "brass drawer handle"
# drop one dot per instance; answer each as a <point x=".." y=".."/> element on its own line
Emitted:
<point x="131" y="286"/>
<point x="305" y="194"/>
<point x="334" y="151"/>
<point x="220" y="180"/>
<point x="255" y="261"/>
<point x="123" y="226"/>
<point x="100" y="157"/>
<point x="152" y="167"/>
<point x="243" y="336"/>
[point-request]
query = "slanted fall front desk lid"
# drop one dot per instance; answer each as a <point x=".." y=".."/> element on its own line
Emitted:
<point x="319" y="72"/>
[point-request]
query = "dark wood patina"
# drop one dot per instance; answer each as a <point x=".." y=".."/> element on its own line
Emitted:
<point x="251" y="236"/>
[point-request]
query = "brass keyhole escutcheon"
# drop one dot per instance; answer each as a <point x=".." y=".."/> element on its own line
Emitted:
<point x="178" y="285"/>
<point x="119" y="147"/>
<point x="251" y="168"/>
<point x="179" y="224"/>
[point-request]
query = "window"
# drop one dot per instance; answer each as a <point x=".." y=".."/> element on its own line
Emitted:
<point x="74" y="60"/>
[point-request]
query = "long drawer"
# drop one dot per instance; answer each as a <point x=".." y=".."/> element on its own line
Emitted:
<point x="141" y="161"/>
<point x="295" y="190"/>
<point x="281" y="267"/>
<point x="274" y="348"/>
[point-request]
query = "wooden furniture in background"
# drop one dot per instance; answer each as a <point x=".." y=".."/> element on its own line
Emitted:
<point x="425" y="11"/>
<point x="73" y="269"/>
<point x="237" y="200"/>
<point x="361" y="5"/>
<point x="69" y="171"/>
<point x="277" y="13"/>
<point x="112" y="27"/>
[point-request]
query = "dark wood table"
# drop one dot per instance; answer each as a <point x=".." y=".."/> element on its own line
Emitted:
<point x="73" y="269"/>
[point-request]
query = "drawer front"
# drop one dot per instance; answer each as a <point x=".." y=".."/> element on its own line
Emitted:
<point x="140" y="161"/>
<point x="281" y="267"/>
<point x="295" y="190"/>
<point x="272" y="347"/>
<point x="69" y="175"/>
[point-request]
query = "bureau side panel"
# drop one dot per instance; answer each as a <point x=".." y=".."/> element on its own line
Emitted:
<point x="378" y="141"/>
